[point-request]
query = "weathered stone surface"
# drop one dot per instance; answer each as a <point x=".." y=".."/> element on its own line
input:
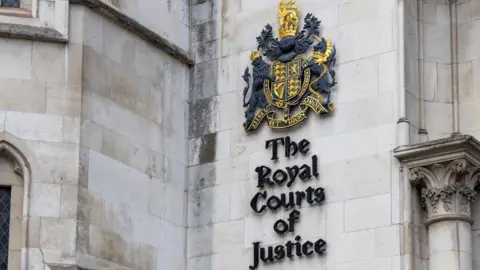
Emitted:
<point x="136" y="27"/>
<point x="31" y="33"/>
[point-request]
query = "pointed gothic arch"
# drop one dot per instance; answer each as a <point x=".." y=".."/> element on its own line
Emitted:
<point x="13" y="151"/>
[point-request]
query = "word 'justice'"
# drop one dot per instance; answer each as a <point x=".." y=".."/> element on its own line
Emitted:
<point x="290" y="201"/>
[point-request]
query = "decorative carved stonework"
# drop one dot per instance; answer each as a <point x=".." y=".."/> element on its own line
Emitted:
<point x="447" y="189"/>
<point x="447" y="172"/>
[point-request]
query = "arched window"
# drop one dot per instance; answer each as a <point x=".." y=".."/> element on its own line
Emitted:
<point x="12" y="234"/>
<point x="10" y="3"/>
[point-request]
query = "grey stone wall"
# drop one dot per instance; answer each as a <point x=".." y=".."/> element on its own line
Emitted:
<point x="361" y="219"/>
<point x="469" y="71"/>
<point x="133" y="149"/>
<point x="169" y="18"/>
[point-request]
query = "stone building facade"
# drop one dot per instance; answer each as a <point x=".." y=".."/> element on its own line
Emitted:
<point x="122" y="145"/>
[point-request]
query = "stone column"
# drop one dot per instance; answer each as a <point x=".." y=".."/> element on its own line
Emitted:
<point x="447" y="172"/>
<point x="447" y="195"/>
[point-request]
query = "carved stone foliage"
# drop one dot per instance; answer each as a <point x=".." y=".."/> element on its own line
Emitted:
<point x="447" y="189"/>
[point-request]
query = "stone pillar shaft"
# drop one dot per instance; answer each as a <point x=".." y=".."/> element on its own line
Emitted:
<point x="447" y="196"/>
<point x="450" y="245"/>
<point x="447" y="171"/>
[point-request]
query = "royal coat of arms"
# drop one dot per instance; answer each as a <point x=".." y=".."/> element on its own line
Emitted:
<point x="286" y="82"/>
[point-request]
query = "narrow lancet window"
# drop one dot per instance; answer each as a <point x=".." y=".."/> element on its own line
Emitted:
<point x="10" y="3"/>
<point x="5" y="199"/>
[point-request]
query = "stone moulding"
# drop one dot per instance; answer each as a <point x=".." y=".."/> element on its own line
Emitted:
<point x="31" y="33"/>
<point x="136" y="27"/>
<point x="447" y="171"/>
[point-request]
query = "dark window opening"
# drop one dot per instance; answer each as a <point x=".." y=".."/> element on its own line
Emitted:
<point x="5" y="199"/>
<point x="10" y="3"/>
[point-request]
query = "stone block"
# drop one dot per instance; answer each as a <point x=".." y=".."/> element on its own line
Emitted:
<point x="118" y="44"/>
<point x="115" y="146"/>
<point x="22" y="95"/>
<point x="204" y="116"/>
<point x="63" y="99"/>
<point x="96" y="73"/>
<point x="376" y="35"/>
<point x="465" y="82"/>
<point x="346" y="146"/>
<point x="68" y="201"/>
<point x="172" y="254"/>
<point x="48" y="62"/>
<point x="132" y="92"/>
<point x="71" y="129"/>
<point x="58" y="161"/>
<point x="475" y="10"/>
<point x="58" y="234"/>
<point x="231" y="113"/>
<point x="363" y="79"/>
<point x="217" y="238"/>
<point x="204" y="80"/>
<point x="149" y="61"/>
<point x="122" y="121"/>
<point x="369" y="212"/>
<point x="209" y="148"/>
<point x="435" y="111"/>
<point x="205" y="11"/>
<point x="91" y="135"/>
<point x="367" y="113"/>
<point x="16" y="59"/>
<point x="93" y="35"/>
<point x="90" y="207"/>
<point x="387" y="71"/>
<point x="208" y="206"/>
<point x="33" y="232"/>
<point x="352" y="12"/>
<point x="430" y="84"/>
<point x="435" y="49"/>
<point x="374" y="264"/>
<point x="35" y="127"/>
<point x="444" y="90"/>
<point x="2" y="120"/>
<point x="467" y="32"/>
<point x="116" y="182"/>
<point x="45" y="200"/>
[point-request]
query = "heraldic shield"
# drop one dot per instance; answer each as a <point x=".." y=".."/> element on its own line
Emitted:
<point x="286" y="81"/>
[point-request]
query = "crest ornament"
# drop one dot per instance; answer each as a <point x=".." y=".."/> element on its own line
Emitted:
<point x="285" y="81"/>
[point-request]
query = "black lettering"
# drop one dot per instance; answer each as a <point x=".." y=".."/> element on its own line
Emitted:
<point x="279" y="176"/>
<point x="300" y="196"/>
<point x="254" y="266"/>
<point x="254" y="202"/>
<point x="310" y="191"/>
<point x="291" y="200"/>
<point x="303" y="146"/>
<point x="262" y="173"/>
<point x="306" y="172"/>
<point x="319" y="195"/>
<point x="292" y="174"/>
<point x="280" y="227"/>
<point x="273" y="203"/>
<point x="288" y="145"/>
<point x="279" y="252"/>
<point x="289" y="246"/>
<point x="315" y="166"/>
<point x="306" y="248"/>
<point x="275" y="147"/>
<point x="298" y="246"/>
<point x="266" y="258"/>
<point x="292" y="218"/>
<point x="320" y="246"/>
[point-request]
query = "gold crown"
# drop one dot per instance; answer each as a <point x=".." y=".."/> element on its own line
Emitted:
<point x="254" y="55"/>
<point x="288" y="12"/>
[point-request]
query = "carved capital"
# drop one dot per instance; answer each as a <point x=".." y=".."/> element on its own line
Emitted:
<point x="447" y="172"/>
